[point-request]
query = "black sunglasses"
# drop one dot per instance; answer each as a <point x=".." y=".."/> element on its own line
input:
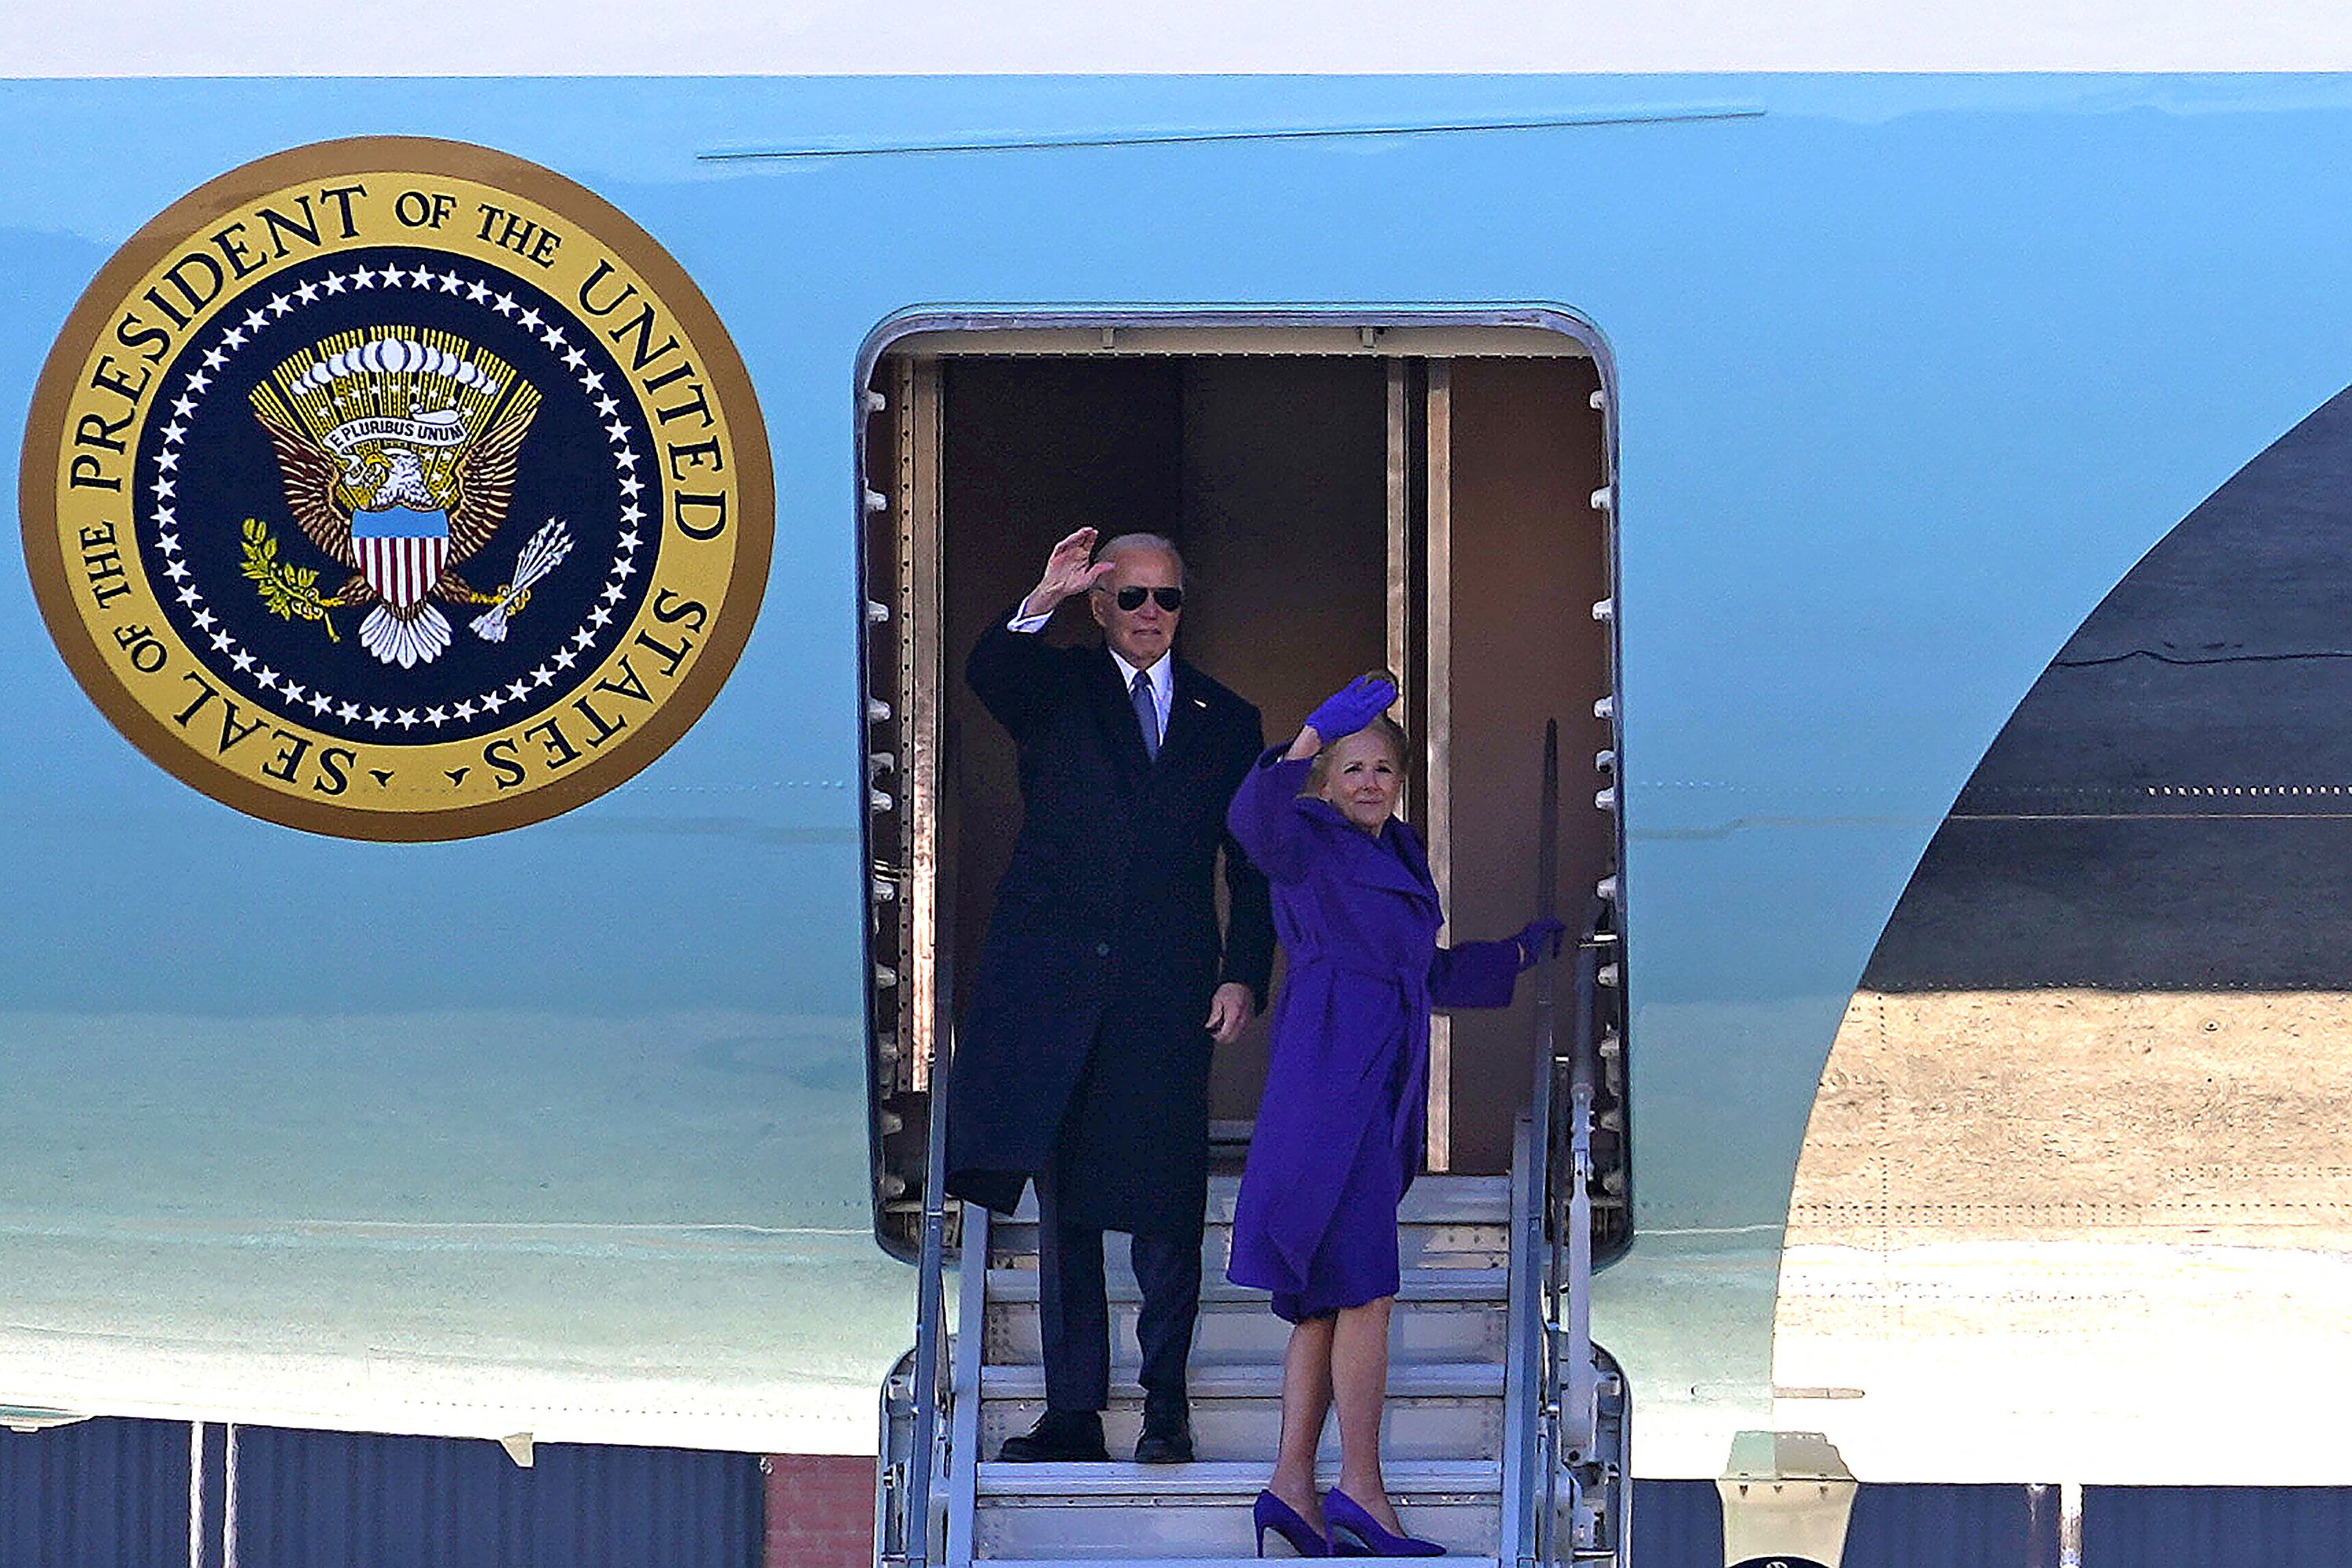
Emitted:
<point x="1171" y="599"/>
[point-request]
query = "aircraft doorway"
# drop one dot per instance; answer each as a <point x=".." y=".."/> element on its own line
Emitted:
<point x="1433" y="499"/>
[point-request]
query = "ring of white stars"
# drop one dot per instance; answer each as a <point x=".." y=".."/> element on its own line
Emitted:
<point x="295" y="695"/>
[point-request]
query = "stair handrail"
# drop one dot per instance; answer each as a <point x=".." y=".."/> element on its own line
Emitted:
<point x="1566" y="1409"/>
<point x="1569" y="1197"/>
<point x="932" y="1392"/>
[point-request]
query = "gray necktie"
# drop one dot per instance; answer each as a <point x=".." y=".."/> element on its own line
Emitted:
<point x="1146" y="713"/>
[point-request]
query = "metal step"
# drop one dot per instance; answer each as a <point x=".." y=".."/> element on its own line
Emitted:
<point x="1238" y="1430"/>
<point x="1117" y="1482"/>
<point x="1275" y="1552"/>
<point x="1436" y="1243"/>
<point x="1259" y="1380"/>
<point x="1019" y="1285"/>
<point x="1434" y="1412"/>
<point x="1433" y="1200"/>
<point x="1445" y="1314"/>
<point x="1188" y="1512"/>
<point x="1421" y="1427"/>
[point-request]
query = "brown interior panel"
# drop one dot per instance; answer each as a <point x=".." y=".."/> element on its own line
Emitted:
<point x="1529" y="558"/>
<point x="1284" y="529"/>
<point x="1034" y="448"/>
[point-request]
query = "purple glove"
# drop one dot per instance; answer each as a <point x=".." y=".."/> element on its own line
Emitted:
<point x="1351" y="707"/>
<point x="1534" y="937"/>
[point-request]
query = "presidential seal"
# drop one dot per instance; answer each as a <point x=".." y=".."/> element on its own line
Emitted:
<point x="396" y="488"/>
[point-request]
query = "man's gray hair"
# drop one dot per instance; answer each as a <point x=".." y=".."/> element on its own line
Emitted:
<point x="1161" y="542"/>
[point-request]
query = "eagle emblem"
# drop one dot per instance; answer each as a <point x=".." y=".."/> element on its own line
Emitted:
<point x="397" y="452"/>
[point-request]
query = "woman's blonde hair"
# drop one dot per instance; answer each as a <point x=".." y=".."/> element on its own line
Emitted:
<point x="1399" y="743"/>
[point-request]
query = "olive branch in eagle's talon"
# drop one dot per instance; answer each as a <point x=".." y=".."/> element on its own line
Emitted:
<point x="289" y="592"/>
<point x="544" y="555"/>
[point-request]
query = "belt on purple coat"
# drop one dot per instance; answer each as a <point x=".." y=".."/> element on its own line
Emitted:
<point x="1413" y="988"/>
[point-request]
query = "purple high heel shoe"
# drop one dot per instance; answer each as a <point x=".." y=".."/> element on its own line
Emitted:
<point x="1346" y="1513"/>
<point x="1271" y="1513"/>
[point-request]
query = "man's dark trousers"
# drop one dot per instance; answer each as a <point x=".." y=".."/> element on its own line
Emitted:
<point x="1074" y="1309"/>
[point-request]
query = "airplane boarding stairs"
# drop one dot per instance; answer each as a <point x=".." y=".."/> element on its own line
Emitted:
<point x="1506" y="1427"/>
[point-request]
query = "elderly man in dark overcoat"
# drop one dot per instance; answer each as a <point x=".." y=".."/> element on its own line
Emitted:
<point x="1083" y="1062"/>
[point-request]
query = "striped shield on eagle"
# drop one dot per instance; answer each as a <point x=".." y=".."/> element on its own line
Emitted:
<point x="401" y="552"/>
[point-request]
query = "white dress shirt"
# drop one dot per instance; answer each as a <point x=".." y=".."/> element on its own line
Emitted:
<point x="1162" y="677"/>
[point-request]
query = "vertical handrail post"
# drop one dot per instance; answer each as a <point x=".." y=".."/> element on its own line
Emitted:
<point x="1539" y="1546"/>
<point x="931" y="1391"/>
<point x="1579" y="1415"/>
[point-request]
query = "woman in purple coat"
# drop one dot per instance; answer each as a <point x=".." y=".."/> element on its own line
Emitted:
<point x="1340" y="1131"/>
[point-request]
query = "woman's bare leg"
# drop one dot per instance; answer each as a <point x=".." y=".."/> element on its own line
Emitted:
<point x="1305" y="1401"/>
<point x="1359" y="1383"/>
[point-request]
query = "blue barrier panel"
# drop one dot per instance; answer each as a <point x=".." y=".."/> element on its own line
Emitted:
<point x="1679" y="1524"/>
<point x="2217" y="1527"/>
<point x="110" y="1492"/>
<point x="116" y="1493"/>
<point x="1943" y="1527"/>
<point x="329" y="1499"/>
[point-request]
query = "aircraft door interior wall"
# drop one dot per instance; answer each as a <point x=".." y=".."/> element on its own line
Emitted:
<point x="1284" y="516"/>
<point x="1033" y="450"/>
<point x="1529" y="558"/>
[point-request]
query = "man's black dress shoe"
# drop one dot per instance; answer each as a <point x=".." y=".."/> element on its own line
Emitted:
<point x="1059" y="1437"/>
<point x="1167" y="1436"/>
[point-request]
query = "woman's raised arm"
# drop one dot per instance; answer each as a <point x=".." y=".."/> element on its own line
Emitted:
<point x="1264" y="816"/>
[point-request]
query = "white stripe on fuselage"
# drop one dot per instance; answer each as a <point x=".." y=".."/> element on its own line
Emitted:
<point x="611" y="38"/>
